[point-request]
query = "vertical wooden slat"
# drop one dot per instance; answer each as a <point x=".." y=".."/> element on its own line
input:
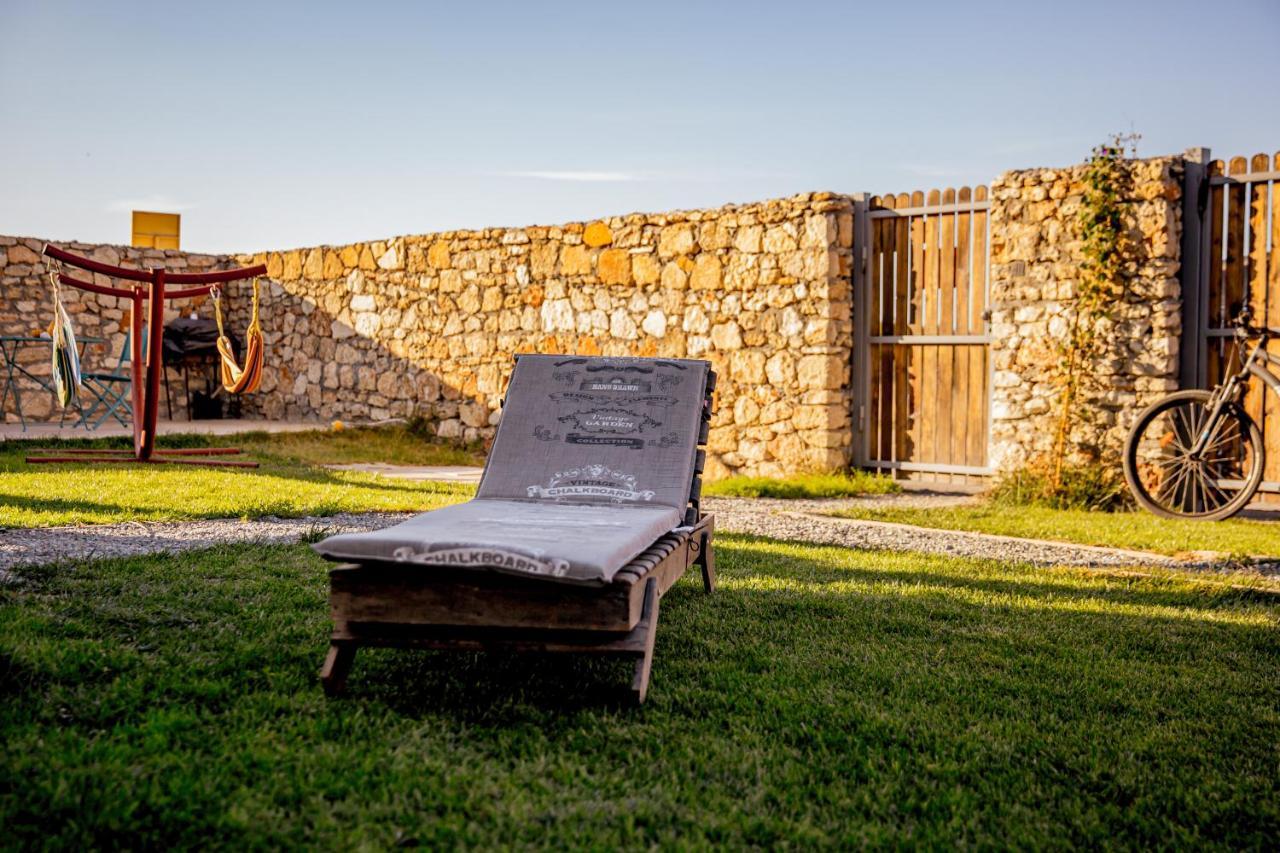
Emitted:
<point x="1267" y="252"/>
<point x="915" y="355"/>
<point x="887" y="400"/>
<point x="979" y="393"/>
<point x="1273" y="261"/>
<point x="1233" y="268"/>
<point x="928" y="411"/>
<point x="930" y="287"/>
<point x="929" y="299"/>
<point x="946" y="326"/>
<point x="964" y="307"/>
<point x="1217" y="197"/>
<point x="961" y="419"/>
<point x="902" y="306"/>
<point x="1256" y="291"/>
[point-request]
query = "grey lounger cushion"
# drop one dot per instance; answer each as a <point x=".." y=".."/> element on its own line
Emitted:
<point x="593" y="461"/>
<point x="582" y="543"/>
<point x="633" y="422"/>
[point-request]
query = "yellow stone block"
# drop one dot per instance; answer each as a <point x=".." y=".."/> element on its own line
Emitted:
<point x="350" y="257"/>
<point x="275" y="265"/>
<point x="367" y="261"/>
<point x="645" y="268"/>
<point x="438" y="255"/>
<point x="313" y="266"/>
<point x="706" y="273"/>
<point x="614" y="266"/>
<point x="575" y="260"/>
<point x="542" y="259"/>
<point x="332" y="264"/>
<point x="292" y="266"/>
<point x="597" y="234"/>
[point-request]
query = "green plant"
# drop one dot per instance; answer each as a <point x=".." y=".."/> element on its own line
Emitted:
<point x="1090" y="485"/>
<point x="1100" y="286"/>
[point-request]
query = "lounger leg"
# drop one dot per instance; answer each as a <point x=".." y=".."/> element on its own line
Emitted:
<point x="333" y="675"/>
<point x="648" y="630"/>
<point x="707" y="561"/>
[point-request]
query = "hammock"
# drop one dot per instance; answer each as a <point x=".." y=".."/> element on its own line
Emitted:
<point x="66" y="357"/>
<point x="237" y="379"/>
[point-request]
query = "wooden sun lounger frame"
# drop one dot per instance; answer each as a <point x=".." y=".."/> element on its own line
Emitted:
<point x="391" y="605"/>
<point x="385" y="605"/>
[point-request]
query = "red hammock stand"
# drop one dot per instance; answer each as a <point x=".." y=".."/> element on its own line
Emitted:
<point x="147" y="297"/>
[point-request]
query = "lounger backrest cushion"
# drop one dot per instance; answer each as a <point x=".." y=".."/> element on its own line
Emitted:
<point x="622" y="431"/>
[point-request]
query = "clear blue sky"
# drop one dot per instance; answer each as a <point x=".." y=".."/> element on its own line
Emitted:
<point x="285" y="124"/>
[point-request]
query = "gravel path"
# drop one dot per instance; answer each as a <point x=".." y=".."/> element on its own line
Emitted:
<point x="803" y="521"/>
<point x="782" y="519"/>
<point x="28" y="546"/>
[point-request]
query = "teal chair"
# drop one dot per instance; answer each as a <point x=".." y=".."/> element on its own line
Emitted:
<point x="112" y="392"/>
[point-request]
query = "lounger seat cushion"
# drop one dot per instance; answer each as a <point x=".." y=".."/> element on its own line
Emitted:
<point x="569" y="542"/>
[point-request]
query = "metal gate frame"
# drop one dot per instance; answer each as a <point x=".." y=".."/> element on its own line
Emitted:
<point x="863" y="216"/>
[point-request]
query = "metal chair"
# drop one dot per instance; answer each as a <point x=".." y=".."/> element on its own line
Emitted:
<point x="111" y="391"/>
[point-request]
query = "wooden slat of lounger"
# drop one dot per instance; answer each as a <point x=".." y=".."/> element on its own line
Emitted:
<point x="480" y="638"/>
<point x="367" y="595"/>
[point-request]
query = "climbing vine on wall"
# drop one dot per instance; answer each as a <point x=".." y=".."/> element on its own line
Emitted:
<point x="1100" y="283"/>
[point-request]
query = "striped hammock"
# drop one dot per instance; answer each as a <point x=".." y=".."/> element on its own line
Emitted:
<point x="66" y="357"/>
<point x="235" y="378"/>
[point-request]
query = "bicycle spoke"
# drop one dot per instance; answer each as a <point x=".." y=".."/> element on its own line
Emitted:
<point x="1183" y="436"/>
<point x="1216" y="435"/>
<point x="1221" y="497"/>
<point x="1171" y="485"/>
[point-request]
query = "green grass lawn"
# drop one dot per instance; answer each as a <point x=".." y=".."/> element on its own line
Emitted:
<point x="845" y="485"/>
<point x="823" y="696"/>
<point x="1137" y="530"/>
<point x="290" y="481"/>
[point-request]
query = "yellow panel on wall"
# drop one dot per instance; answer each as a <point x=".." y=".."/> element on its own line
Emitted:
<point x="156" y="230"/>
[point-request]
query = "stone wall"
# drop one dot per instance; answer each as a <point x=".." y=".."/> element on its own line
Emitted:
<point x="1035" y="262"/>
<point x="427" y="325"/>
<point x="26" y="307"/>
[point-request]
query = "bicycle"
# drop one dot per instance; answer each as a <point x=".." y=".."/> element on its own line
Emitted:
<point x="1198" y="454"/>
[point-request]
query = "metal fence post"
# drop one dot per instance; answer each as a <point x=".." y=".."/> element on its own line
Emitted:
<point x="1194" y="269"/>
<point x="860" y="368"/>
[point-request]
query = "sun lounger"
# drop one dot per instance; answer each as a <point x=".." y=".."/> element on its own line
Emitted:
<point x="588" y="511"/>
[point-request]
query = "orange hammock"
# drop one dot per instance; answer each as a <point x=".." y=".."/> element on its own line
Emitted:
<point x="237" y="379"/>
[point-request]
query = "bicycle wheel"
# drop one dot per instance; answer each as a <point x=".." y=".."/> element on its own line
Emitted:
<point x="1171" y="482"/>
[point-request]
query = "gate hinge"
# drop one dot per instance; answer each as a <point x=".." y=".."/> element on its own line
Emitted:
<point x="862" y="417"/>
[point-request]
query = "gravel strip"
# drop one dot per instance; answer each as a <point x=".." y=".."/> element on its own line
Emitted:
<point x="33" y="546"/>
<point x="802" y="521"/>
<point x="796" y="520"/>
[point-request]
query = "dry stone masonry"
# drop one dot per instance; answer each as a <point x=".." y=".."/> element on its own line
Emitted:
<point x="426" y="326"/>
<point x="1036" y="252"/>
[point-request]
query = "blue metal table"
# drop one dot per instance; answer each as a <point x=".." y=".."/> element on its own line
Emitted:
<point x="14" y="370"/>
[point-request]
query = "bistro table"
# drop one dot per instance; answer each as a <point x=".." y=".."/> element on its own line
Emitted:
<point x="10" y="346"/>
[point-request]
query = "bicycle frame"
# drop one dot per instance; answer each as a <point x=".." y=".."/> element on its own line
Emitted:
<point x="1229" y="391"/>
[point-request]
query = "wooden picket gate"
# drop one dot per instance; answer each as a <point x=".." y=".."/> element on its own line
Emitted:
<point x="1231" y="255"/>
<point x="921" y="349"/>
